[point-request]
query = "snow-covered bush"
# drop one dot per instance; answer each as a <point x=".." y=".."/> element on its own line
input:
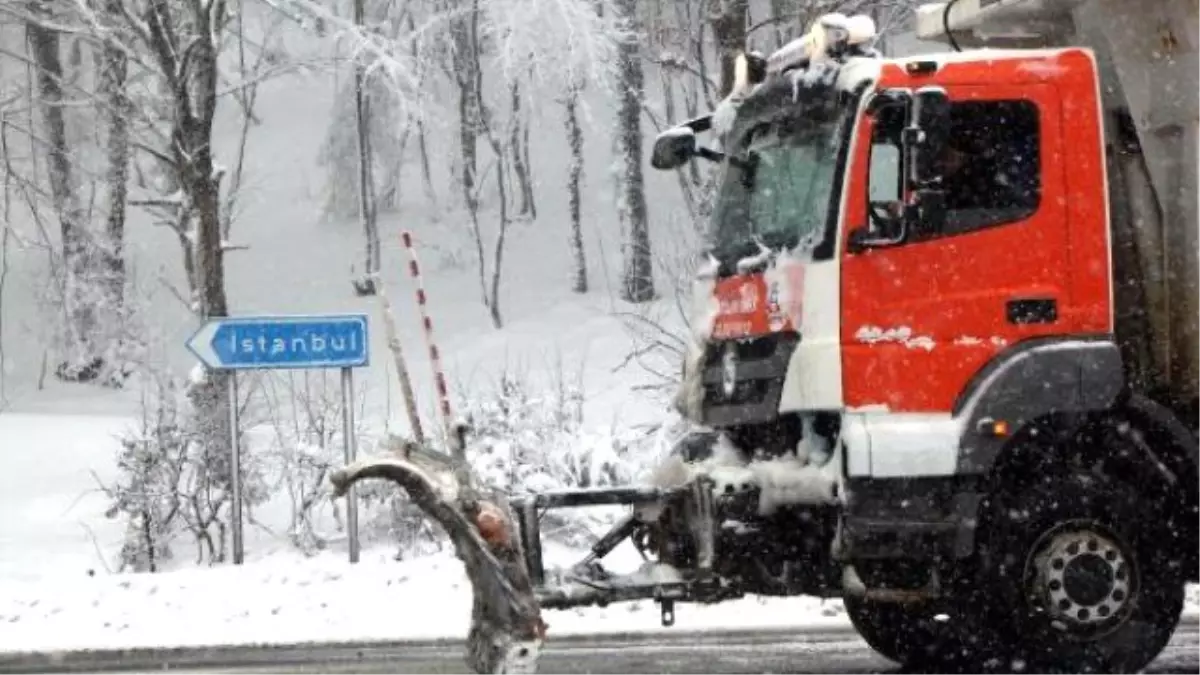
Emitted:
<point x="303" y="414"/>
<point x="305" y="422"/>
<point x="150" y="465"/>
<point x="171" y="484"/>
<point x="526" y="440"/>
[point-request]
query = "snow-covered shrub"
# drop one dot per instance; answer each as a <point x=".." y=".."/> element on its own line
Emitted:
<point x="305" y="421"/>
<point x="524" y="440"/>
<point x="173" y="482"/>
<point x="303" y="414"/>
<point x="150" y="464"/>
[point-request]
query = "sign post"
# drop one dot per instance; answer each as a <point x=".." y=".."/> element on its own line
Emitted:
<point x="285" y="343"/>
<point x="235" y="469"/>
<point x="351" y="450"/>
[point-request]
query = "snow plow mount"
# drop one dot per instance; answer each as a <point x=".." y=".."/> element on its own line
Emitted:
<point x="587" y="583"/>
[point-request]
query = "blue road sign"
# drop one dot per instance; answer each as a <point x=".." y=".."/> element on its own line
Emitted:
<point x="282" y="342"/>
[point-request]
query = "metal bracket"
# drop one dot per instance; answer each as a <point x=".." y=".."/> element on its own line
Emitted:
<point x="668" y="612"/>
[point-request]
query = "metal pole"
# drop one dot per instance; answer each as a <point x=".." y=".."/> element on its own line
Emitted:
<point x="351" y="445"/>
<point x="235" y="468"/>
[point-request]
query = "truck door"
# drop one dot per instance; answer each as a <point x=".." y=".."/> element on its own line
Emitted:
<point x="922" y="316"/>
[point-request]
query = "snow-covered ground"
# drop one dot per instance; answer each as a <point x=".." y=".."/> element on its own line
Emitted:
<point x="56" y="591"/>
<point x="283" y="599"/>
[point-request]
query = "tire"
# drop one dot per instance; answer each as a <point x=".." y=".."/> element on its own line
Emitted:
<point x="914" y="635"/>
<point x="1074" y="576"/>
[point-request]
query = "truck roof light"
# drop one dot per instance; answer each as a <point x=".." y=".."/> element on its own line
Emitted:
<point x="749" y="68"/>
<point x="920" y="67"/>
<point x="829" y="36"/>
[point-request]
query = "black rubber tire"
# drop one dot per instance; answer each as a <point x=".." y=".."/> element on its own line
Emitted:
<point x="1019" y="524"/>
<point x="911" y="635"/>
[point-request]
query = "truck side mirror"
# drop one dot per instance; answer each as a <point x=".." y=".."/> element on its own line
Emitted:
<point x="926" y="135"/>
<point x="673" y="148"/>
<point x="881" y="235"/>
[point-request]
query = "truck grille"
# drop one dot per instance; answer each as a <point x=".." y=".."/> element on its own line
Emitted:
<point x="760" y="365"/>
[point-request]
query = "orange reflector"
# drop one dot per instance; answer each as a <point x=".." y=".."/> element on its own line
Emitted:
<point x="990" y="427"/>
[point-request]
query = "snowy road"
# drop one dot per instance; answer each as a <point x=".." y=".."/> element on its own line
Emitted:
<point x="803" y="651"/>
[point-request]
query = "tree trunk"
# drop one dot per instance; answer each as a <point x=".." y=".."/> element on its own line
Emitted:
<point x="465" y="65"/>
<point x="422" y="145"/>
<point x="194" y="102"/>
<point x="113" y="72"/>
<point x="517" y="136"/>
<point x="637" y="280"/>
<point x="81" y="360"/>
<point x="366" y="180"/>
<point x="728" y="19"/>
<point x="366" y="187"/>
<point x="579" y="280"/>
<point x="498" y="252"/>
<point x="473" y="121"/>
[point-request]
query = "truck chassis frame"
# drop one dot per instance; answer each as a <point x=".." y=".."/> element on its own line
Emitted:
<point x="587" y="583"/>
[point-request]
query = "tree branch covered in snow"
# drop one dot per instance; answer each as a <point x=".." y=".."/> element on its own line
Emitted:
<point x="555" y="44"/>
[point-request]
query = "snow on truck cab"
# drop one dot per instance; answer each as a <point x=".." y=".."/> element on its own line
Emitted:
<point x="945" y="341"/>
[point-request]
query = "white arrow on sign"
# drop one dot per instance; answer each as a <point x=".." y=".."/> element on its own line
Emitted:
<point x="201" y="345"/>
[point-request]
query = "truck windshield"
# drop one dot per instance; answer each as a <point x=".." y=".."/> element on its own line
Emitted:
<point x="778" y="186"/>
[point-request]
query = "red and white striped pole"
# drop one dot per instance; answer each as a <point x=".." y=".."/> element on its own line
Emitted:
<point x="439" y="377"/>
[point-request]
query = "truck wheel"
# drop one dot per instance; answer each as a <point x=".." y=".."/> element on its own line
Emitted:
<point x="1074" y="575"/>
<point x="910" y="634"/>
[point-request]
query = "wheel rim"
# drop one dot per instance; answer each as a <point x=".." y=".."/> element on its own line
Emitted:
<point x="1084" y="578"/>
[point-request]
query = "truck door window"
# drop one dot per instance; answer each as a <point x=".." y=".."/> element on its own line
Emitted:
<point x="990" y="167"/>
<point x="884" y="181"/>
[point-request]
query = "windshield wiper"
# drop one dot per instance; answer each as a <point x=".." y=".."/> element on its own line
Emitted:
<point x="749" y="167"/>
<point x="718" y="157"/>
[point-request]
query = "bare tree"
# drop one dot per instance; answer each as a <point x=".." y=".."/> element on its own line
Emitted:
<point x="518" y="143"/>
<point x="183" y="40"/>
<point x="579" y="277"/>
<point x="366" y="180"/>
<point x="116" y="110"/>
<point x="81" y="360"/>
<point x="466" y="67"/>
<point x="638" y="277"/>
<point x="422" y="143"/>
<point x="563" y="46"/>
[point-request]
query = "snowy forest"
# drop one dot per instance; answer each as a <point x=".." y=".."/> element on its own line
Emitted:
<point x="169" y="161"/>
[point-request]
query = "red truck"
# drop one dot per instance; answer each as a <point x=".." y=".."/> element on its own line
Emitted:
<point x="945" y="363"/>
